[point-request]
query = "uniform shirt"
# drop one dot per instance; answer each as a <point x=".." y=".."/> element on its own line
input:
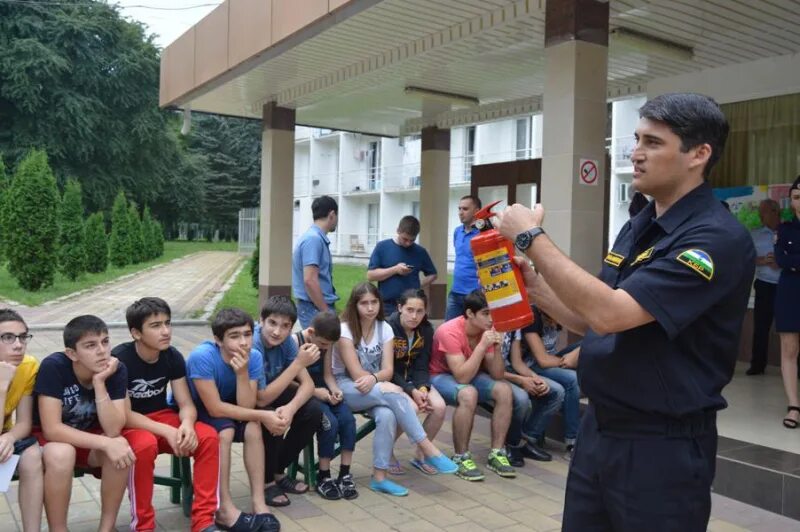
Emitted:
<point x="450" y="337"/>
<point x="787" y="246"/>
<point x="313" y="249"/>
<point x="370" y="352"/>
<point x="388" y="253"/>
<point x="205" y="363"/>
<point x="764" y="242"/>
<point x="21" y="385"/>
<point x="276" y="359"/>
<point x="465" y="274"/>
<point x="57" y="379"/>
<point x="147" y="382"/>
<point x="691" y="269"/>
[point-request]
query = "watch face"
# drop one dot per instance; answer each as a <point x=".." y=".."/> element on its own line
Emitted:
<point x="523" y="240"/>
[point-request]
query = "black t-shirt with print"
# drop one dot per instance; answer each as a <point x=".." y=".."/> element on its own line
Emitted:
<point x="147" y="382"/>
<point x="57" y="379"/>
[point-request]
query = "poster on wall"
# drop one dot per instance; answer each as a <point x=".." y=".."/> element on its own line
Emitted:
<point x="743" y="201"/>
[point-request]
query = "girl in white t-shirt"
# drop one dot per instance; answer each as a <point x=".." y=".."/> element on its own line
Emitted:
<point x="362" y="363"/>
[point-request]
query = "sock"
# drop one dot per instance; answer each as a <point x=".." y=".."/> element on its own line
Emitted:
<point x="344" y="470"/>
<point x="323" y="474"/>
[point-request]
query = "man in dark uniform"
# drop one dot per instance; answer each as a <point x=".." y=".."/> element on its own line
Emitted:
<point x="661" y="329"/>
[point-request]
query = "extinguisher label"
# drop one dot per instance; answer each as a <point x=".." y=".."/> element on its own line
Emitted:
<point x="497" y="278"/>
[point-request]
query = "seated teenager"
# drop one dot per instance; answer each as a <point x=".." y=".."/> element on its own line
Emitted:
<point x="17" y="377"/>
<point x="467" y="368"/>
<point x="79" y="420"/>
<point x="338" y="420"/>
<point x="153" y="427"/>
<point x="559" y="367"/>
<point x="223" y="380"/>
<point x="543" y="397"/>
<point x="288" y="390"/>
<point x="413" y="339"/>
<point x="363" y="366"/>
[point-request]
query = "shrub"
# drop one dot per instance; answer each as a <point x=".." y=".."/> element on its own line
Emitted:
<point x="120" y="241"/>
<point x="158" y="238"/>
<point x="138" y="251"/>
<point x="71" y="251"/>
<point x="254" y="263"/>
<point x="149" y="236"/>
<point x="32" y="223"/>
<point x="96" y="243"/>
<point x="4" y="184"/>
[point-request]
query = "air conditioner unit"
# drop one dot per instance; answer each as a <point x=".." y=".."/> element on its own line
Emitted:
<point x="625" y="193"/>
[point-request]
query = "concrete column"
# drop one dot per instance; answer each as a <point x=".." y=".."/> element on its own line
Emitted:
<point x="277" y="190"/>
<point x="574" y="126"/>
<point x="433" y="194"/>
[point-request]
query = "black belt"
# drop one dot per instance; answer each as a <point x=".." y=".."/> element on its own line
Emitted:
<point x="615" y="422"/>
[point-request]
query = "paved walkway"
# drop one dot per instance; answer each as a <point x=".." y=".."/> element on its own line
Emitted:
<point x="186" y="284"/>
<point x="531" y="502"/>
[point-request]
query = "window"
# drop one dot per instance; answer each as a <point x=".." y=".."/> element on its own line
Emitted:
<point x="523" y="140"/>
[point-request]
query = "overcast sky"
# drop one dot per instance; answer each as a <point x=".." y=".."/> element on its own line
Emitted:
<point x="169" y="21"/>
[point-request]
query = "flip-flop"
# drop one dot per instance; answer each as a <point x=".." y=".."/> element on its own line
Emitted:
<point x="395" y="468"/>
<point x="425" y="468"/>
<point x="250" y="523"/>
<point x="289" y="485"/>
<point x="271" y="493"/>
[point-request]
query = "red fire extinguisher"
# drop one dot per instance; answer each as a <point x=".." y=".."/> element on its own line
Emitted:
<point x="500" y="278"/>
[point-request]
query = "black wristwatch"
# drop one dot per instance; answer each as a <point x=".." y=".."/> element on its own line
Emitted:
<point x="525" y="238"/>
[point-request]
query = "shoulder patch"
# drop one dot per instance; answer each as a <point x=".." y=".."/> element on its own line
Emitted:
<point x="614" y="259"/>
<point x="643" y="256"/>
<point x="699" y="261"/>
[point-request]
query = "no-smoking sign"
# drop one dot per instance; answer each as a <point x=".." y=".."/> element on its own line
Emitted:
<point x="588" y="172"/>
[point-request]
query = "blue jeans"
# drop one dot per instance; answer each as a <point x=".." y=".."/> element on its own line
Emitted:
<point x="541" y="411"/>
<point x="339" y="421"/>
<point x="567" y="381"/>
<point x="306" y="312"/>
<point x="388" y="410"/>
<point x="455" y="306"/>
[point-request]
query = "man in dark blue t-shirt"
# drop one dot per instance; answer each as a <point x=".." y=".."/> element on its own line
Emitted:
<point x="396" y="263"/>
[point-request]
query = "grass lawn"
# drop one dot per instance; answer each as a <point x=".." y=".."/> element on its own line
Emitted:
<point x="9" y="289"/>
<point x="243" y="295"/>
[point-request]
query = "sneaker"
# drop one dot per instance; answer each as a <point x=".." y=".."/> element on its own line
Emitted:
<point x="347" y="487"/>
<point x="388" y="487"/>
<point x="328" y="489"/>
<point x="467" y="468"/>
<point x="498" y="462"/>
<point x="515" y="456"/>
<point x="442" y="464"/>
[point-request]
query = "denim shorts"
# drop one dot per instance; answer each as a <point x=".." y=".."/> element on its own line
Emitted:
<point x="448" y="387"/>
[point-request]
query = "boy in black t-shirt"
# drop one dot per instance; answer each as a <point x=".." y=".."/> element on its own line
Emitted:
<point x="79" y="419"/>
<point x="152" y="426"/>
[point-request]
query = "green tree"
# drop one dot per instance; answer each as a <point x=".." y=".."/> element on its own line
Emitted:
<point x="96" y="243"/>
<point x="120" y="242"/>
<point x="254" y="263"/>
<point x="4" y="184"/>
<point x="138" y="251"/>
<point x="149" y="236"/>
<point x="32" y="221"/>
<point x="72" y="252"/>
<point x="158" y="238"/>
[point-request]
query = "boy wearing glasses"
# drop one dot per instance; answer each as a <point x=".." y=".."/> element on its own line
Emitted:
<point x="17" y="377"/>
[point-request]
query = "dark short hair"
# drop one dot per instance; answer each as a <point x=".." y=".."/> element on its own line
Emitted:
<point x="326" y="325"/>
<point x="412" y="293"/>
<point x="142" y="309"/>
<point x="80" y="326"/>
<point x="281" y="305"/>
<point x="475" y="199"/>
<point x="696" y="119"/>
<point x="475" y="301"/>
<point x="322" y="206"/>
<point x="7" y="314"/>
<point x="408" y="225"/>
<point x="795" y="185"/>
<point x="228" y="318"/>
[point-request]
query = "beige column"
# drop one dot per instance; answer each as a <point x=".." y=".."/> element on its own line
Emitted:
<point x="433" y="204"/>
<point x="277" y="189"/>
<point x="574" y="127"/>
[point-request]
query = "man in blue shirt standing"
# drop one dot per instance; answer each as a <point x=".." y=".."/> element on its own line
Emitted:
<point x="397" y="262"/>
<point x="312" y="266"/>
<point x="767" y="274"/>
<point x="465" y="275"/>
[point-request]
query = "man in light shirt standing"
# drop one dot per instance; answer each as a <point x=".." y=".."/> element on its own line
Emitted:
<point x="767" y="273"/>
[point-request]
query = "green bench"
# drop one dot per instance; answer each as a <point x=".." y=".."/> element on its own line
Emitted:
<point x="309" y="464"/>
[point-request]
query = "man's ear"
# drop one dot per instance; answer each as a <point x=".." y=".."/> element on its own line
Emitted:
<point x="702" y="154"/>
<point x="136" y="334"/>
<point x="71" y="354"/>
